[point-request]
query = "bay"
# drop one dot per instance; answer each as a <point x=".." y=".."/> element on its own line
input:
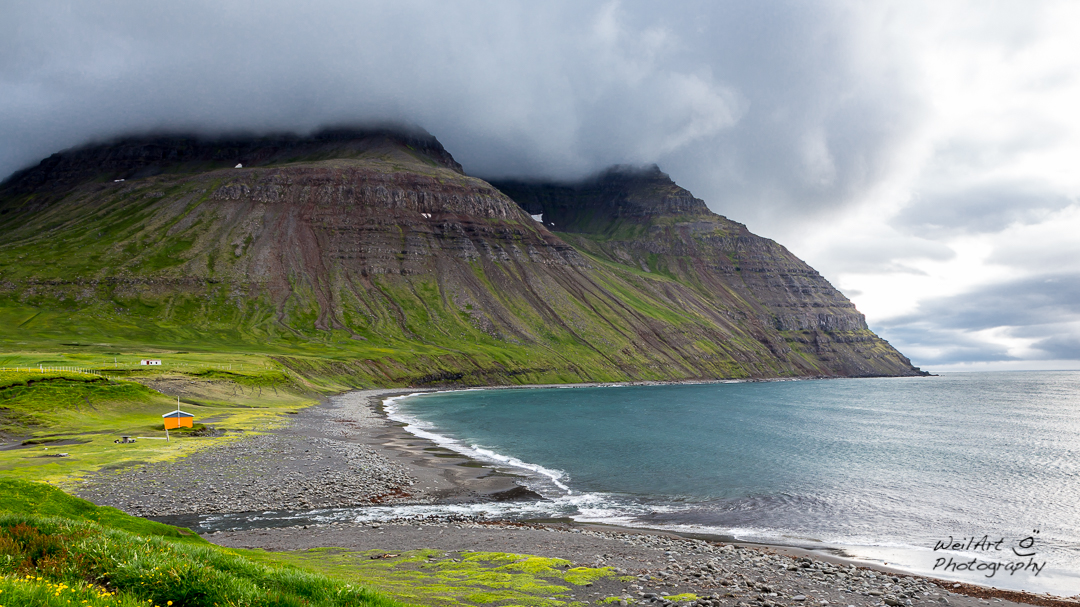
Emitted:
<point x="877" y="469"/>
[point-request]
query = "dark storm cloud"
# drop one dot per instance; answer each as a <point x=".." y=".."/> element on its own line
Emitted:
<point x="1061" y="347"/>
<point x="1043" y="308"/>
<point x="759" y="108"/>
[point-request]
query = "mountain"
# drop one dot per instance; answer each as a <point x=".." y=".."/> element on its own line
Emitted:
<point x="641" y="218"/>
<point x="371" y="254"/>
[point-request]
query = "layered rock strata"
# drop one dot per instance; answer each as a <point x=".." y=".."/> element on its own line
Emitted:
<point x="372" y="257"/>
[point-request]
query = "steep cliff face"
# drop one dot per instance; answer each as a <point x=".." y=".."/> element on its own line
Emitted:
<point x="599" y="204"/>
<point x="373" y="249"/>
<point x="640" y="218"/>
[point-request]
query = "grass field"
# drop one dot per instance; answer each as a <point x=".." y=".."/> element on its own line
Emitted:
<point x="46" y="414"/>
<point x="59" y="550"/>
<point x="56" y="549"/>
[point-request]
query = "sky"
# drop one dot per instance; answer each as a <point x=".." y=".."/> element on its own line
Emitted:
<point x="921" y="155"/>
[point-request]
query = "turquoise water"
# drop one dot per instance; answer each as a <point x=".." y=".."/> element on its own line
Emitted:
<point x="883" y="469"/>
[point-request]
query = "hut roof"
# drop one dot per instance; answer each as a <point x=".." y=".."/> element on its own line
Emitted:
<point x="178" y="413"/>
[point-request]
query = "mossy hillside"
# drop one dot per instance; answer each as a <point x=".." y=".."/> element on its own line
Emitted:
<point x="49" y="399"/>
<point x="432" y="332"/>
<point x="116" y="361"/>
<point x="410" y="316"/>
<point x="450" y="579"/>
<point x="437" y="340"/>
<point x="411" y="335"/>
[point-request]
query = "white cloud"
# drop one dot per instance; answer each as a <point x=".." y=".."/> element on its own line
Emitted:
<point x="988" y="174"/>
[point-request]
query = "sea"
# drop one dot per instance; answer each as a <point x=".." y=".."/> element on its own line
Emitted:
<point x="972" y="477"/>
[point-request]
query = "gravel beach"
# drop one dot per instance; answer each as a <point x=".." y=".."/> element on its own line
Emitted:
<point x="341" y="453"/>
<point x="345" y="452"/>
<point x="661" y="565"/>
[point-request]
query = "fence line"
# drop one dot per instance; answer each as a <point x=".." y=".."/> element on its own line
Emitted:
<point x="44" y="369"/>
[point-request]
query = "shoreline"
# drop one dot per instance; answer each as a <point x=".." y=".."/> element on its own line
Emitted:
<point x="432" y="475"/>
<point x="880" y="558"/>
<point x="832" y="554"/>
<point x="656" y="564"/>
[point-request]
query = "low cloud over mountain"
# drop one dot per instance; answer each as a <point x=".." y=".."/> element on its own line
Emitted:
<point x="913" y="152"/>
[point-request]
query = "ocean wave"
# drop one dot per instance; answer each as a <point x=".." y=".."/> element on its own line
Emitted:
<point x="585" y="507"/>
<point x="422" y="429"/>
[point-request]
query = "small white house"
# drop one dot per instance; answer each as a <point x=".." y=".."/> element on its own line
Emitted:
<point x="150" y="361"/>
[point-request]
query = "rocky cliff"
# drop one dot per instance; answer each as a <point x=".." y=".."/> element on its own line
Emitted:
<point x="373" y="250"/>
<point x="640" y="218"/>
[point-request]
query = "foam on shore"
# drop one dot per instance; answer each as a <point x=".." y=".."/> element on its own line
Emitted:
<point x="632" y="512"/>
<point x="422" y="429"/>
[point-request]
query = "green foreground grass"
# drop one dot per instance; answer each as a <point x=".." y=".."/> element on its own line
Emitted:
<point x="19" y="497"/>
<point x="60" y="550"/>
<point x="88" y="555"/>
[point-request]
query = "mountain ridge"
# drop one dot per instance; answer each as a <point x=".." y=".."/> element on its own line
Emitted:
<point x="605" y="215"/>
<point x="381" y="256"/>
<point x="140" y="156"/>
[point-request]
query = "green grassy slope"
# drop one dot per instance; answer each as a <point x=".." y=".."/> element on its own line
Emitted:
<point x="59" y="550"/>
<point x="18" y="497"/>
<point x="384" y="268"/>
<point x="60" y="426"/>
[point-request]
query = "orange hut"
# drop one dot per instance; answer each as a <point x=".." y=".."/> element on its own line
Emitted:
<point x="178" y="418"/>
